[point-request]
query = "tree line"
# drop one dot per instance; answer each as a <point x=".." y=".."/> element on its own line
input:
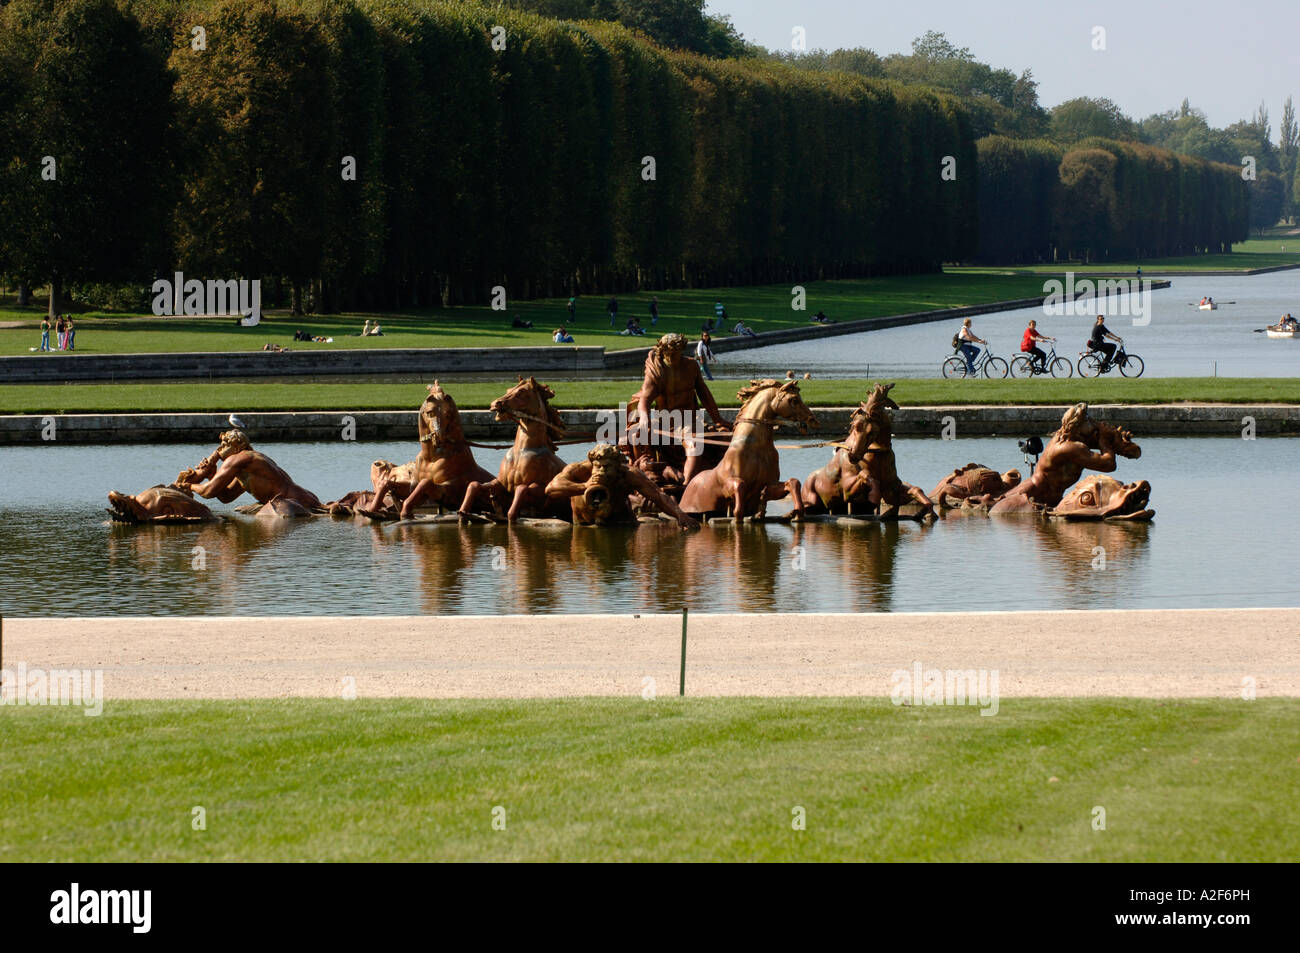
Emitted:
<point x="415" y="153"/>
<point x="1100" y="198"/>
<point x="388" y="154"/>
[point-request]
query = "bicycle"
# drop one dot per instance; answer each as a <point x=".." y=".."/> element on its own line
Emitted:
<point x="1024" y="366"/>
<point x="985" y="362"/>
<point x="1092" y="364"/>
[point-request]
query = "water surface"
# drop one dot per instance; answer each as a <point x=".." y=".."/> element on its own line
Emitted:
<point x="1218" y="540"/>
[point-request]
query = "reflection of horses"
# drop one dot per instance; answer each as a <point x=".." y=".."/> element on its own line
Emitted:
<point x="444" y="554"/>
<point x="749" y="474"/>
<point x="531" y="463"/>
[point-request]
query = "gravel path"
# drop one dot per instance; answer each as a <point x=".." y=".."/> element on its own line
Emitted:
<point x="1156" y="653"/>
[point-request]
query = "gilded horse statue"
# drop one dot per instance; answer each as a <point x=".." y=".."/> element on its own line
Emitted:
<point x="749" y="474"/>
<point x="444" y="468"/>
<point x="863" y="471"/>
<point x="531" y="463"/>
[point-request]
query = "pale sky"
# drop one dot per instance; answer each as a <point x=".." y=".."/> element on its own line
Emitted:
<point x="1224" y="56"/>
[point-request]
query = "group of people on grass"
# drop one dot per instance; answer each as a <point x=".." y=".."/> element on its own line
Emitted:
<point x="966" y="341"/>
<point x="64" y="329"/>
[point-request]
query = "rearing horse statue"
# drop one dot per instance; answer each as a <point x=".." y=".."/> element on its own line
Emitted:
<point x="749" y="474"/>
<point x="445" y="466"/>
<point x="863" y="470"/>
<point x="532" y="462"/>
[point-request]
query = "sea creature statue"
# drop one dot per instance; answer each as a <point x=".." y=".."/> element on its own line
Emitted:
<point x="1080" y="444"/>
<point x="598" y="490"/>
<point x="862" y="473"/>
<point x="159" y="504"/>
<point x="1100" y="497"/>
<point x="669" y="402"/>
<point x="749" y="474"/>
<point x="531" y="464"/>
<point x="974" y="485"/>
<point x="235" y="468"/>
<point x="444" y="468"/>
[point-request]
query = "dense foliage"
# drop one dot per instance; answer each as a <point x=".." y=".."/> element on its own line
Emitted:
<point x="390" y="153"/>
<point x="1040" y="201"/>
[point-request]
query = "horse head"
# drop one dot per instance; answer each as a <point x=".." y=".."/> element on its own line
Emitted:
<point x="1117" y="440"/>
<point x="529" y="402"/>
<point x="441" y="416"/>
<point x="766" y="401"/>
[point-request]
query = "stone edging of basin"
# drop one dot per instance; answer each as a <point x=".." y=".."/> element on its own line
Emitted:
<point x="1190" y="420"/>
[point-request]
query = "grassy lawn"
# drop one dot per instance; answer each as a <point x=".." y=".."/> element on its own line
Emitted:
<point x="223" y="397"/>
<point x="671" y="779"/>
<point x="1275" y="248"/>
<point x="765" y="308"/>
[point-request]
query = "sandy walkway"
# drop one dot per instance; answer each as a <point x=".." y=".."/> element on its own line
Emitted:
<point x="1175" y="653"/>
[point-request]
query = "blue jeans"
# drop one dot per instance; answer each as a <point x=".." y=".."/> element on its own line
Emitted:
<point x="704" y="366"/>
<point x="72" y="336"/>
<point x="45" y="340"/>
<point x="970" y="352"/>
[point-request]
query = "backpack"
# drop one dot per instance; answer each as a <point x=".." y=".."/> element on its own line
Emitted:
<point x="956" y="341"/>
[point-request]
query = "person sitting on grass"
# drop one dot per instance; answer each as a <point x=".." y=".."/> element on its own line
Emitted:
<point x="517" y="323"/>
<point x="273" y="347"/>
<point x="740" y="328"/>
<point x="633" y="327"/>
<point x="818" y="318"/>
<point x="561" y="336"/>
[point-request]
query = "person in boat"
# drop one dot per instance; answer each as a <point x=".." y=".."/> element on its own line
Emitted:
<point x="1287" y="323"/>
<point x="1202" y="299"/>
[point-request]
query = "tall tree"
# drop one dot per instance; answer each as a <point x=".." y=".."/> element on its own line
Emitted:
<point x="1289" y="148"/>
<point x="83" y="146"/>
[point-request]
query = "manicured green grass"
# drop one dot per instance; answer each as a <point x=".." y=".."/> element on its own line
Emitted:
<point x="670" y="779"/>
<point x="765" y="308"/>
<point x="1274" y="249"/>
<point x="223" y="397"/>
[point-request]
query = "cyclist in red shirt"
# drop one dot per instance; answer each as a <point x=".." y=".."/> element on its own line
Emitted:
<point x="1037" y="355"/>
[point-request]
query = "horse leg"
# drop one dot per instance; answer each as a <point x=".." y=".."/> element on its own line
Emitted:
<point x="424" y="490"/>
<point x="516" y="504"/>
<point x="779" y="491"/>
<point x="796" y="496"/>
<point x="472" y="492"/>
<point x="737" y="488"/>
<point x="915" y="493"/>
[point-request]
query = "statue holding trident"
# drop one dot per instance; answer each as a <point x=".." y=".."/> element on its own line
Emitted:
<point x="664" y="416"/>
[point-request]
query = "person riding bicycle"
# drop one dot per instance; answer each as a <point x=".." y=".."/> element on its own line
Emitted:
<point x="1036" y="354"/>
<point x="967" y="338"/>
<point x="1097" y="342"/>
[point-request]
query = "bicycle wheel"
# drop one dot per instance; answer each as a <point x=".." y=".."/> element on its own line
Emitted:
<point x="954" y="367"/>
<point x="1062" y="368"/>
<point x="1089" y="366"/>
<point x="995" y="367"/>
<point x="1132" y="366"/>
<point x="1022" y="367"/>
